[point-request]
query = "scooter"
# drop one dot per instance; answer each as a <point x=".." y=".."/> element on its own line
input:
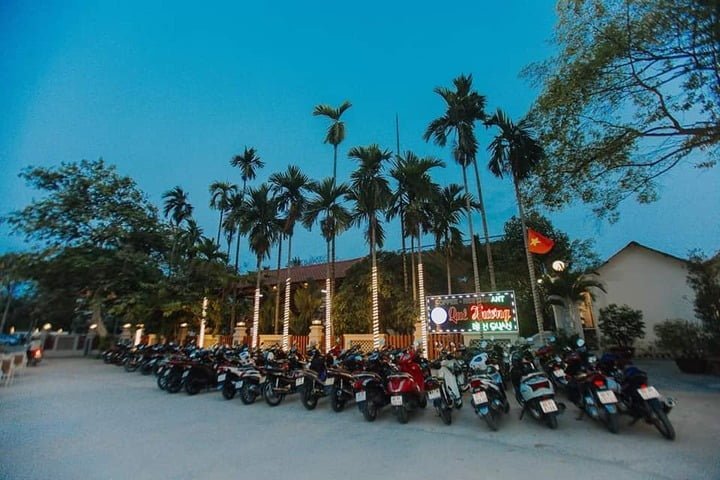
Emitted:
<point x="34" y="352"/>
<point x="370" y="385"/>
<point x="642" y="401"/>
<point x="449" y="369"/>
<point x="341" y="372"/>
<point x="438" y="393"/>
<point x="284" y="377"/>
<point x="407" y="386"/>
<point x="488" y="394"/>
<point x="317" y="382"/>
<point x="534" y="391"/>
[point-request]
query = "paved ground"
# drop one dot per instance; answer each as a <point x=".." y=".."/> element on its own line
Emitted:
<point x="82" y="419"/>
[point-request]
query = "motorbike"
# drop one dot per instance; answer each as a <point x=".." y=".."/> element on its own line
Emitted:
<point x="230" y="377"/>
<point x="406" y="387"/>
<point x="592" y="391"/>
<point x="318" y="383"/>
<point x="488" y="393"/>
<point x="534" y="391"/>
<point x="341" y="372"/>
<point x="284" y="377"/>
<point x="451" y="370"/>
<point x="370" y="386"/>
<point x="438" y="393"/>
<point x="638" y="398"/>
<point x="34" y="352"/>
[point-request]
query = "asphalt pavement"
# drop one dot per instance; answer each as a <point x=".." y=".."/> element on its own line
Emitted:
<point x="82" y="419"/>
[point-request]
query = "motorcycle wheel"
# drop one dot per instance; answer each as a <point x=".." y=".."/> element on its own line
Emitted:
<point x="130" y="364"/>
<point x="611" y="420"/>
<point x="173" y="384"/>
<point x="445" y="412"/>
<point x="662" y="422"/>
<point x="271" y="398"/>
<point x="369" y="411"/>
<point x="247" y="395"/>
<point x="229" y="390"/>
<point x="551" y="421"/>
<point x="161" y="382"/>
<point x="423" y="401"/>
<point x="402" y="414"/>
<point x="336" y="401"/>
<point x="491" y="420"/>
<point x="192" y="387"/>
<point x="309" y="400"/>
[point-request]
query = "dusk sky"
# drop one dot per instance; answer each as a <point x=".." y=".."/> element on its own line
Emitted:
<point x="170" y="91"/>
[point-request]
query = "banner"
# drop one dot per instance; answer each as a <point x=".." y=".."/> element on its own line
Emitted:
<point x="489" y="312"/>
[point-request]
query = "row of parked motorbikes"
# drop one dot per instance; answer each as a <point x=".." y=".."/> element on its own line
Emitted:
<point x="404" y="381"/>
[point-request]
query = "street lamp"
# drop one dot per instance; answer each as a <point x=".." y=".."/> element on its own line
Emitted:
<point x="559" y="266"/>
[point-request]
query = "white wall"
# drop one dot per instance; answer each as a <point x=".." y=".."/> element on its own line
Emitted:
<point x="649" y="281"/>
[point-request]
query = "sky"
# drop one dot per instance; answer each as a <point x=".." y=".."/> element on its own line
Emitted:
<point x="170" y="91"/>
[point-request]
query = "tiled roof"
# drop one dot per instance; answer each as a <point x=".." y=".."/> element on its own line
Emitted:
<point x="305" y="273"/>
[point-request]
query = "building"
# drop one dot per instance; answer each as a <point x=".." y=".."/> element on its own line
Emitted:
<point x="648" y="280"/>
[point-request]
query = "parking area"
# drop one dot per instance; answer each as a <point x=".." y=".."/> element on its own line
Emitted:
<point x="80" y="418"/>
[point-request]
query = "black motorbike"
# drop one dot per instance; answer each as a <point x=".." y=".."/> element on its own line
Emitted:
<point x="283" y="377"/>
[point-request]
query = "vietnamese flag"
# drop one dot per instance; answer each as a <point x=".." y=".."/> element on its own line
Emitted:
<point x="538" y="243"/>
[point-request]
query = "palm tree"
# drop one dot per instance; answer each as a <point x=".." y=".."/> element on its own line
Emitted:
<point x="464" y="108"/>
<point x="248" y="163"/>
<point x="336" y="131"/>
<point x="569" y="288"/>
<point x="449" y="206"/>
<point x="234" y="220"/>
<point x="260" y="224"/>
<point x="290" y="188"/>
<point x="177" y="206"/>
<point x="219" y="198"/>
<point x="334" y="218"/>
<point x="371" y="195"/>
<point x="414" y="190"/>
<point x="516" y="153"/>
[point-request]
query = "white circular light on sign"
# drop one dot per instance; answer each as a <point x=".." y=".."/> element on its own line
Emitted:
<point x="438" y="315"/>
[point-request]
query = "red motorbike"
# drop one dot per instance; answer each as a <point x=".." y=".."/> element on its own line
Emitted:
<point x="407" y="386"/>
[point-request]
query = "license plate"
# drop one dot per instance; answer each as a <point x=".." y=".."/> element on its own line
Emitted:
<point x="648" y="393"/>
<point x="607" y="396"/>
<point x="185" y="373"/>
<point x="559" y="373"/>
<point x="239" y="384"/>
<point x="221" y="378"/>
<point x="396" y="400"/>
<point x="548" y="406"/>
<point x="329" y="382"/>
<point x="299" y="381"/>
<point x="480" y="397"/>
<point x="434" y="394"/>
<point x="360" y="396"/>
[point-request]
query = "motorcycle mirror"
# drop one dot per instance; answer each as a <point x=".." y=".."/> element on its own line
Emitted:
<point x="552" y="339"/>
<point x="580" y="343"/>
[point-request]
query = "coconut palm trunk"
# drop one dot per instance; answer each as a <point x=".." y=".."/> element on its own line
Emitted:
<point x="286" y="309"/>
<point x="473" y="250"/>
<point x="483" y="216"/>
<point x="256" y="304"/>
<point x="530" y="263"/>
<point x="375" y="301"/>
<point x="421" y="293"/>
<point x="276" y="324"/>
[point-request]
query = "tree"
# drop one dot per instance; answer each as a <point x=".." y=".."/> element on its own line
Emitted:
<point x="621" y="325"/>
<point x="220" y="193"/>
<point x="633" y="92"/>
<point x="704" y="278"/>
<point x="327" y="209"/>
<point x="449" y="205"/>
<point x="234" y="220"/>
<point x="464" y="108"/>
<point x="261" y="226"/>
<point x="569" y="288"/>
<point x="177" y="206"/>
<point x="371" y="196"/>
<point x="290" y="188"/>
<point x="308" y="302"/>
<point x="516" y="153"/>
<point x="248" y="163"/>
<point x="336" y="131"/>
<point x="100" y="237"/>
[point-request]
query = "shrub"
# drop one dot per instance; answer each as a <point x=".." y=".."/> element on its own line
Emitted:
<point x="621" y="325"/>
<point x="682" y="339"/>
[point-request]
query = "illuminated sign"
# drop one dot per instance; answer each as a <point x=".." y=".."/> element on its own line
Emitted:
<point x="490" y="312"/>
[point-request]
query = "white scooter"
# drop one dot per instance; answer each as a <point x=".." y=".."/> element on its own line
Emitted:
<point x="448" y="369"/>
<point x="533" y="390"/>
<point x="488" y="394"/>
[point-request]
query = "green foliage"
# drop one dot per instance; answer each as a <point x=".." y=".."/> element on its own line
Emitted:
<point x="621" y="325"/>
<point x="352" y="309"/>
<point x="704" y="278"/>
<point x="308" y="302"/>
<point x="633" y="91"/>
<point x="681" y="338"/>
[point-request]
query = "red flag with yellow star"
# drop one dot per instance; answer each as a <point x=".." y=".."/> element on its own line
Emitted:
<point x="538" y="243"/>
